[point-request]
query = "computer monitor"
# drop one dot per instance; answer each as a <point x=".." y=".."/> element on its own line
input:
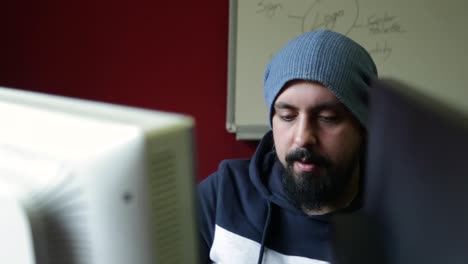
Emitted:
<point x="83" y="182"/>
<point x="416" y="188"/>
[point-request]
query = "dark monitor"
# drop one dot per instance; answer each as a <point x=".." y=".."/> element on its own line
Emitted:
<point x="415" y="206"/>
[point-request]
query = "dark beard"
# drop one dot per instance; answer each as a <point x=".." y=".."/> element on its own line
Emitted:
<point x="309" y="191"/>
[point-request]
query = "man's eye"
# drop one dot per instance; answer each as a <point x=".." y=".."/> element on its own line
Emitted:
<point x="328" y="119"/>
<point x="287" y="118"/>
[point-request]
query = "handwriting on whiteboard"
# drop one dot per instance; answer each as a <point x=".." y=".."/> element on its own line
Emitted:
<point x="343" y="16"/>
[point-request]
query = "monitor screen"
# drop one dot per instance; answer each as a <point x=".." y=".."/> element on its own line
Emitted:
<point x="416" y="187"/>
<point x="88" y="182"/>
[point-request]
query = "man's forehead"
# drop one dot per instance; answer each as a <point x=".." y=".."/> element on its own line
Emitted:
<point x="307" y="94"/>
<point x="332" y="105"/>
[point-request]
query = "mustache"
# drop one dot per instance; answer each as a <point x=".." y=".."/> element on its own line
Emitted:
<point x="307" y="156"/>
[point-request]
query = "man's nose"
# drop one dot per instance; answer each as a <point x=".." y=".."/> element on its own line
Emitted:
<point x="305" y="134"/>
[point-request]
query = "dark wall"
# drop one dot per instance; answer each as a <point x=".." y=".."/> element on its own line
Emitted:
<point x="165" y="55"/>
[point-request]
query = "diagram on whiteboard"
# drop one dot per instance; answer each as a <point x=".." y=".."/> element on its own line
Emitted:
<point x="419" y="42"/>
<point x="344" y="16"/>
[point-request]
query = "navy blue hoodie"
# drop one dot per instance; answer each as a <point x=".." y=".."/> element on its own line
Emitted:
<point x="245" y="216"/>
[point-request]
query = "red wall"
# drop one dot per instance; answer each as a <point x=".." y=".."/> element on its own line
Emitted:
<point x="165" y="55"/>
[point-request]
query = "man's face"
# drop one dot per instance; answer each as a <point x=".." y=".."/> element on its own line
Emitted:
<point x="318" y="141"/>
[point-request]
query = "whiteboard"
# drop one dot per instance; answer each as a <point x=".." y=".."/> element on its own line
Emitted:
<point x="420" y="42"/>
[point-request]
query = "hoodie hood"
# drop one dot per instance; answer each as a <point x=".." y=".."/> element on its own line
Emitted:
<point x="246" y="199"/>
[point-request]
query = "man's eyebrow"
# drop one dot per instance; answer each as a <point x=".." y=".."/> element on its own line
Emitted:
<point x="283" y="105"/>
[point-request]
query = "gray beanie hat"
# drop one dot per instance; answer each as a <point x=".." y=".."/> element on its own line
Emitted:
<point x="327" y="57"/>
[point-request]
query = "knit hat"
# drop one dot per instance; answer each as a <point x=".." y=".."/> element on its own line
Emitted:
<point x="327" y="57"/>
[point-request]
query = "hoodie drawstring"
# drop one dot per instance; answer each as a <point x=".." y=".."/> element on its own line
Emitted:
<point x="264" y="235"/>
